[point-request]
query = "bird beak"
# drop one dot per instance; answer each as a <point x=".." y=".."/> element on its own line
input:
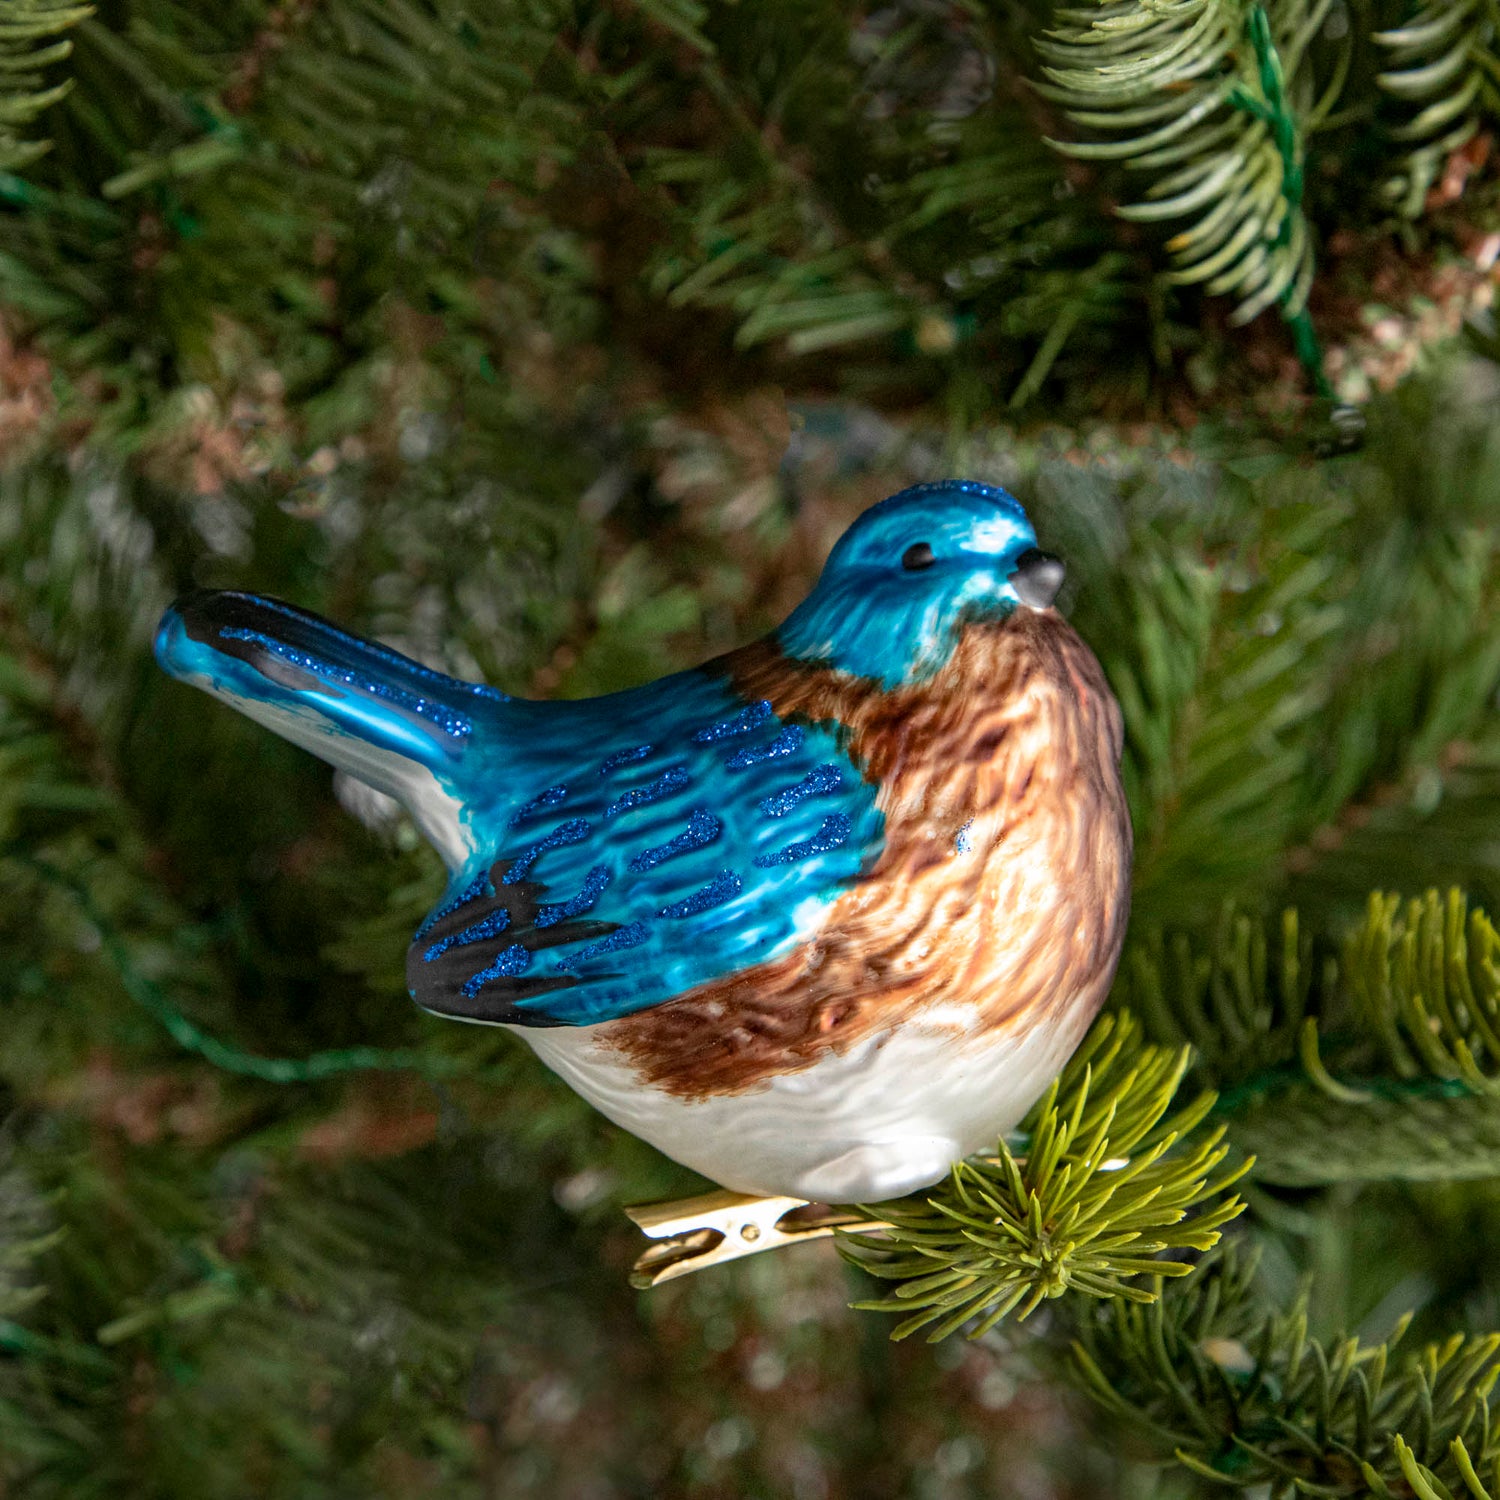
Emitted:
<point x="1037" y="578"/>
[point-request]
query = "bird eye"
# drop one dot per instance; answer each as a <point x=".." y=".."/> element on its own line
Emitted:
<point x="918" y="556"/>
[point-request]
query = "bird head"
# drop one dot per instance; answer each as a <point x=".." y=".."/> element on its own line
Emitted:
<point x="911" y="572"/>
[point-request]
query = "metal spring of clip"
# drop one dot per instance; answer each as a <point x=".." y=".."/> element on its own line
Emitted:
<point x="692" y="1234"/>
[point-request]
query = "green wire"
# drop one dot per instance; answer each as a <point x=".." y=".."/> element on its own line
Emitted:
<point x="1276" y="113"/>
<point x="1291" y="1075"/>
<point x="192" y="1038"/>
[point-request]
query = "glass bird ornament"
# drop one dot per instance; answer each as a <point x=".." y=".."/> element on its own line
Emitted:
<point x="817" y="918"/>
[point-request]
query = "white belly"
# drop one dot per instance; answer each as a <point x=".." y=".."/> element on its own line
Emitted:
<point x="889" y="1115"/>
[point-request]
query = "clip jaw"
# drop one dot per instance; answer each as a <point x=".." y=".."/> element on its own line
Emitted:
<point x="694" y="1233"/>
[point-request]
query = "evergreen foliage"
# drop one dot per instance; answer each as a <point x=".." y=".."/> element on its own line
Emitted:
<point x="459" y="322"/>
<point x="817" y="184"/>
<point x="1212" y="122"/>
<point x="1443" y="64"/>
<point x="30" y="40"/>
<point x="1091" y="1205"/>
<point x="1247" y="1399"/>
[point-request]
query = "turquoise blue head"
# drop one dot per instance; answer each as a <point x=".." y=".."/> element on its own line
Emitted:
<point x="912" y="572"/>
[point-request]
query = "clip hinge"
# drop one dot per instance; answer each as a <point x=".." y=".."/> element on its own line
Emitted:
<point x="692" y="1234"/>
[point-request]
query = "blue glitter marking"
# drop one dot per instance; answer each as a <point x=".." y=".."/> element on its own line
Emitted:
<point x="593" y="887"/>
<point x="384" y="653"/>
<point x="574" y="831"/>
<point x="478" y="887"/>
<point x="817" y="782"/>
<point x="835" y="831"/>
<point x="703" y="828"/>
<point x="719" y="890"/>
<point x="632" y="935"/>
<point x="673" y="779"/>
<point x="624" y="758"/>
<point x="476" y="932"/>
<point x="515" y="960"/>
<point x="446" y="719"/>
<point x="550" y="798"/>
<point x="962" y="843"/>
<point x="788" y="742"/>
<point x="742" y="723"/>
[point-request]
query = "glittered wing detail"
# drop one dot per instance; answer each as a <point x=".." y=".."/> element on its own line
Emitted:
<point x="700" y="836"/>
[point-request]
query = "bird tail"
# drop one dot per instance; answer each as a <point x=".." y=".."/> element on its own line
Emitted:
<point x="404" y="729"/>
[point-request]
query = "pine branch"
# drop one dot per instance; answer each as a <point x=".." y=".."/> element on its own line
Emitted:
<point x="1244" y="1398"/>
<point x="1222" y="714"/>
<point x="1444" y="70"/>
<point x="1107" y="1187"/>
<point x="757" y="234"/>
<point x="1439" y="822"/>
<point x="1303" y="1136"/>
<point x="870" y="198"/>
<point x="1207" y="101"/>
<point x="1375" y="1059"/>
<point x="1424" y="977"/>
<point x="1306" y="652"/>
<point x="284" y="1320"/>
<point x="1417" y="1056"/>
<point x="28" y="1230"/>
<point x="268" y="187"/>
<point x="1239" y="1003"/>
<point x="30" y="41"/>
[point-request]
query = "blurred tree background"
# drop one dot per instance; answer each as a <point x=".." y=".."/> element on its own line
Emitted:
<point x="554" y="342"/>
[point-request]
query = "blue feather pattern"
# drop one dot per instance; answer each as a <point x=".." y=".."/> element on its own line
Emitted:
<point x="476" y="889"/>
<point x="488" y="926"/>
<point x="538" y="804"/>
<point x="457" y="724"/>
<point x="788" y="742"/>
<point x="514" y="960"/>
<point x="584" y="901"/>
<point x="714" y="844"/>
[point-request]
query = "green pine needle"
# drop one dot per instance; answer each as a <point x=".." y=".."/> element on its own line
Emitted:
<point x="1343" y="1062"/>
<point x="1444" y="70"/>
<point x="1239" y="1003"/>
<point x="28" y="43"/>
<point x="1109" y="1184"/>
<point x="1424" y="976"/>
<point x="1248" y="1398"/>
<point x="1204" y="101"/>
<point x="1412" y="1038"/>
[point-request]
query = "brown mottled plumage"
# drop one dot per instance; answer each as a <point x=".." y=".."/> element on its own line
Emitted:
<point x="1017" y="738"/>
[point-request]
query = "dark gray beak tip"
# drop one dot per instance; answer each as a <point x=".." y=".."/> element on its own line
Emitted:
<point x="1037" y="578"/>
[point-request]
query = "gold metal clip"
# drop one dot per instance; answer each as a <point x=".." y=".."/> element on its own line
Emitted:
<point x="694" y="1233"/>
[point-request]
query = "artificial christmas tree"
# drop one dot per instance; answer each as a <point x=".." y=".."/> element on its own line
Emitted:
<point x="554" y="345"/>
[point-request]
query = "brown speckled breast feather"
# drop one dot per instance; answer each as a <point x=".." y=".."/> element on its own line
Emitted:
<point x="1016" y="742"/>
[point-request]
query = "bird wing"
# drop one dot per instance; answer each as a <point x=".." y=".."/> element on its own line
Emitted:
<point x="608" y="854"/>
<point x="639" y="845"/>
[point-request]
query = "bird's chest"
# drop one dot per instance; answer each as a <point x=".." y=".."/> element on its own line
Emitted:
<point x="981" y="851"/>
<point x="1006" y="862"/>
